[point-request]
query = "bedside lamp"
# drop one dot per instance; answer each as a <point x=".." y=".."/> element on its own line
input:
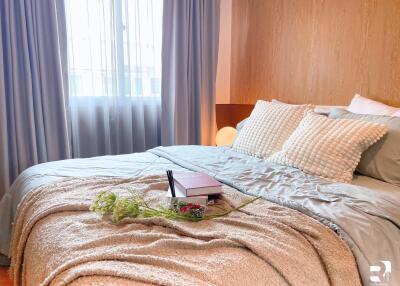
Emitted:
<point x="225" y="136"/>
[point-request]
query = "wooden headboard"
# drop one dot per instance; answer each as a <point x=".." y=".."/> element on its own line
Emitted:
<point x="320" y="52"/>
<point x="232" y="114"/>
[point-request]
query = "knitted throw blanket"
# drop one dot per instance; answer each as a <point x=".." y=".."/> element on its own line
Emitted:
<point x="57" y="241"/>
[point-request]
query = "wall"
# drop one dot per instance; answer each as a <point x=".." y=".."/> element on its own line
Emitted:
<point x="223" y="83"/>
<point x="315" y="51"/>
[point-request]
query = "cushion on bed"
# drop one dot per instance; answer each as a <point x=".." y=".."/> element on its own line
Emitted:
<point x="363" y="105"/>
<point x="327" y="147"/>
<point x="319" y="109"/>
<point x="268" y="127"/>
<point x="382" y="160"/>
<point x="240" y="125"/>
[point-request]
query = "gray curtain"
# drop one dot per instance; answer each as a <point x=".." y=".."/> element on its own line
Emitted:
<point x="189" y="64"/>
<point x="33" y="89"/>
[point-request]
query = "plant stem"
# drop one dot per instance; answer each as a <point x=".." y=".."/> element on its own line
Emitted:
<point x="231" y="210"/>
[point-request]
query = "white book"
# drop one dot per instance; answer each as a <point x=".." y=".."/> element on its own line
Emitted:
<point x="198" y="200"/>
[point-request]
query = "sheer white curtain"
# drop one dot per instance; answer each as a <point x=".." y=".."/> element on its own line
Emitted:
<point x="114" y="69"/>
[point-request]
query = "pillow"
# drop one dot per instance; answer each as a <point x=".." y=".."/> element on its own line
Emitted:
<point x="326" y="147"/>
<point x="382" y="160"/>
<point x="320" y="109"/>
<point x="267" y="128"/>
<point x="363" y="105"/>
<point x="240" y="125"/>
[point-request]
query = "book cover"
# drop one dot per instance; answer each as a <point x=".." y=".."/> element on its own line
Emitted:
<point x="193" y="184"/>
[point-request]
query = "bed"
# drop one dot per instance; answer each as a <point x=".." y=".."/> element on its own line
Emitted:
<point x="314" y="232"/>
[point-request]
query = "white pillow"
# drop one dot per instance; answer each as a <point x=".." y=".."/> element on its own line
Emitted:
<point x="329" y="148"/>
<point x="268" y="127"/>
<point x="319" y="109"/>
<point x="363" y="105"/>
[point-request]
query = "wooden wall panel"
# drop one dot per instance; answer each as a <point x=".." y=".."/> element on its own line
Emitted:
<point x="315" y="51"/>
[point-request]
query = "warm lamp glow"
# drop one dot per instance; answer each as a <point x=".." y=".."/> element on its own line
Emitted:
<point x="225" y="136"/>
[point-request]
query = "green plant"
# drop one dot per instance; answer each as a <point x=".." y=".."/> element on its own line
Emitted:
<point x="108" y="203"/>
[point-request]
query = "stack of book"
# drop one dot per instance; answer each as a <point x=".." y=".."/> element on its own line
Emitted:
<point x="196" y="188"/>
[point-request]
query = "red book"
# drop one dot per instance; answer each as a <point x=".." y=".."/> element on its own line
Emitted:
<point x="197" y="184"/>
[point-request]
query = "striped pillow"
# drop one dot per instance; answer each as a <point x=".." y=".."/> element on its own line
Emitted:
<point x="330" y="148"/>
<point x="268" y="127"/>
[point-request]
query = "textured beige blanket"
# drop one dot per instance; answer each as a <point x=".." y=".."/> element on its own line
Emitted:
<point x="57" y="241"/>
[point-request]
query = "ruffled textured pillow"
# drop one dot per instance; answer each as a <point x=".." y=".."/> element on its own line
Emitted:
<point x="330" y="148"/>
<point x="268" y="127"/>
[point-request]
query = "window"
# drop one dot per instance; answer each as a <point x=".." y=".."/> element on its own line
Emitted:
<point x="114" y="47"/>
